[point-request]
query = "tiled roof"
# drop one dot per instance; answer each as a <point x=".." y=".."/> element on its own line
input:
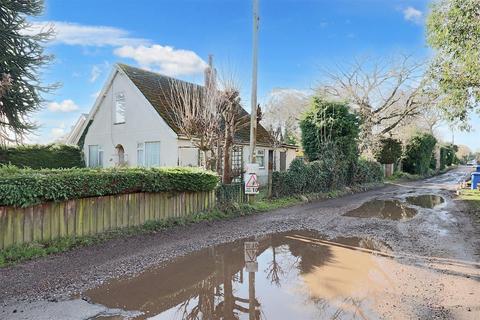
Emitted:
<point x="153" y="85"/>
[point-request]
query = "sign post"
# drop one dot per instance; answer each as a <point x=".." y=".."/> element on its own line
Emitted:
<point x="251" y="250"/>
<point x="251" y="179"/>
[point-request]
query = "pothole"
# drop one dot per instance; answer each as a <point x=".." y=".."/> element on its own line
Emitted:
<point x="428" y="201"/>
<point x="383" y="209"/>
<point x="293" y="275"/>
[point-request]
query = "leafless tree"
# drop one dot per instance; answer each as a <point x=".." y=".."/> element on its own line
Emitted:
<point x="385" y="93"/>
<point x="282" y="113"/>
<point x="209" y="116"/>
<point x="233" y="119"/>
<point x="194" y="110"/>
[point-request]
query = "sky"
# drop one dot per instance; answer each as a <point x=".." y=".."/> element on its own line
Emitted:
<point x="297" y="39"/>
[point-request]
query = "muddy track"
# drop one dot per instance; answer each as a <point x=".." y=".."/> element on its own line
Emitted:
<point x="444" y="232"/>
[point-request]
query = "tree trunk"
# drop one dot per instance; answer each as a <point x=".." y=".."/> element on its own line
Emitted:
<point x="227" y="163"/>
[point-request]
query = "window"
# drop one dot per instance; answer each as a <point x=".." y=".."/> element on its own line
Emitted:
<point x="120" y="108"/>
<point x="152" y="154"/>
<point x="95" y="156"/>
<point x="261" y="158"/>
<point x="140" y="154"/>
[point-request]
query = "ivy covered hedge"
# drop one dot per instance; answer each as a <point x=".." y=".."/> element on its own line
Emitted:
<point x="25" y="187"/>
<point x="389" y="151"/>
<point x="52" y="156"/>
<point x="318" y="176"/>
<point x="367" y="171"/>
<point x="418" y="154"/>
<point x="447" y="155"/>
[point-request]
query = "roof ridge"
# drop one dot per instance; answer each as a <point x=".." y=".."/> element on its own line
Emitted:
<point x="122" y="65"/>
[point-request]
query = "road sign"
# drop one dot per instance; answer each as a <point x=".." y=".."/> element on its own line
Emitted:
<point x="251" y="180"/>
<point x="251" y="248"/>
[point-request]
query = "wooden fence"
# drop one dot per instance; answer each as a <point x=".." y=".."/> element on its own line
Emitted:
<point x="89" y="216"/>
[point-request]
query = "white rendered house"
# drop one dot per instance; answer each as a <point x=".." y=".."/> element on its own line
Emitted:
<point x="129" y="126"/>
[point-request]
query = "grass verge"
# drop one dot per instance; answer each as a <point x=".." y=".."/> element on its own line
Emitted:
<point x="399" y="176"/>
<point x="472" y="198"/>
<point x="29" y="251"/>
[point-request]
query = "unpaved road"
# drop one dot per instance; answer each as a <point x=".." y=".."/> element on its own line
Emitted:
<point x="442" y="241"/>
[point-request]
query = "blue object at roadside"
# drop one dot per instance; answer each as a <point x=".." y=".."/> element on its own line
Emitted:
<point x="475" y="180"/>
<point x="478" y="168"/>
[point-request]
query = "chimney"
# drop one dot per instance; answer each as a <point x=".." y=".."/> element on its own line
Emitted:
<point x="210" y="74"/>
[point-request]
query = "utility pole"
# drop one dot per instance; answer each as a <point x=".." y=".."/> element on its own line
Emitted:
<point x="253" y="100"/>
<point x="253" y="114"/>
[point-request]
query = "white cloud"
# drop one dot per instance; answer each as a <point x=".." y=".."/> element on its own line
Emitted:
<point x="64" y="106"/>
<point x="412" y="14"/>
<point x="58" y="133"/>
<point x="84" y="35"/>
<point x="165" y="59"/>
<point x="95" y="73"/>
<point x="98" y="70"/>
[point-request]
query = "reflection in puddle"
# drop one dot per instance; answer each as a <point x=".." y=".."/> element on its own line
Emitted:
<point x="293" y="275"/>
<point x="296" y="275"/>
<point x="426" y="201"/>
<point x="383" y="209"/>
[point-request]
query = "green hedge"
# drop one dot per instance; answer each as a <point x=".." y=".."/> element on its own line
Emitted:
<point x="389" y="151"/>
<point x="447" y="155"/>
<point x="418" y="154"/>
<point x="321" y="176"/>
<point x="25" y="187"/>
<point x="367" y="172"/>
<point x="53" y="156"/>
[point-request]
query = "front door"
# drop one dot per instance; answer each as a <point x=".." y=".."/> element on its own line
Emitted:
<point x="283" y="161"/>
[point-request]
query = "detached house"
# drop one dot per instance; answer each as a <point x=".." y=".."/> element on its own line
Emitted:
<point x="129" y="126"/>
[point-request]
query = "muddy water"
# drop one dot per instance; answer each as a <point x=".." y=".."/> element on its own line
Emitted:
<point x="383" y="209"/>
<point x="426" y="201"/>
<point x="294" y="275"/>
<point x="297" y="275"/>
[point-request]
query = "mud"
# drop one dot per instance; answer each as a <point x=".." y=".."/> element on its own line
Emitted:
<point x="432" y="268"/>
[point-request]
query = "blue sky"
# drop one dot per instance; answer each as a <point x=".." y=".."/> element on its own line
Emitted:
<point x="297" y="39"/>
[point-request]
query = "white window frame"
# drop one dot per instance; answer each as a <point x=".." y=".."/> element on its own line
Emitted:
<point x="99" y="156"/>
<point x="260" y="153"/>
<point x="141" y="149"/>
<point x="119" y="98"/>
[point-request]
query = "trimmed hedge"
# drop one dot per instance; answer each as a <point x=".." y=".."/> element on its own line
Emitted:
<point x="52" y="156"/>
<point x="419" y="153"/>
<point x="319" y="176"/>
<point x="367" y="172"/>
<point x="26" y="187"/>
<point x="389" y="151"/>
<point x="447" y="156"/>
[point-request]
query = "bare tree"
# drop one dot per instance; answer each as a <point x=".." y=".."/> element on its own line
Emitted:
<point x="208" y="116"/>
<point x="385" y="93"/>
<point x="282" y="113"/>
<point x="194" y="111"/>
<point x="234" y="118"/>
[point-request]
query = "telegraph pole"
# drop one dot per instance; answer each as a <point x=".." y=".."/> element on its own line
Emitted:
<point x="253" y="114"/>
<point x="253" y="100"/>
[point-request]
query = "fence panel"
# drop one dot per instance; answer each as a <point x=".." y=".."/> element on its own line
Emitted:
<point x="88" y="216"/>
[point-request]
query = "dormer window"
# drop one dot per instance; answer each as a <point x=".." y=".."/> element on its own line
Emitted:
<point x="120" y="108"/>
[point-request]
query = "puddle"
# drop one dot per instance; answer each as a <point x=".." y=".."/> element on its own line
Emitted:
<point x="383" y="209"/>
<point x="293" y="275"/>
<point x="297" y="275"/>
<point x="426" y="201"/>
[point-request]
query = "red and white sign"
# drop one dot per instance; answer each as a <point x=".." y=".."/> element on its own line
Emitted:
<point x="251" y="181"/>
